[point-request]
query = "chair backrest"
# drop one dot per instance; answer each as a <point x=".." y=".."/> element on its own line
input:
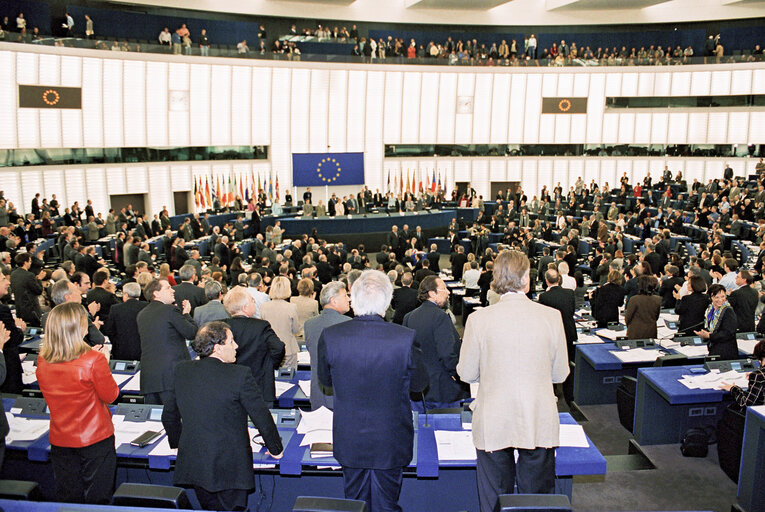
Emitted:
<point x="533" y="503"/>
<point x="147" y="495"/>
<point x="315" y="504"/>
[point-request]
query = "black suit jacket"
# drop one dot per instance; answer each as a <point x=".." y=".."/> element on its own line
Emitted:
<point x="691" y="310"/>
<point x="103" y="297"/>
<point x="434" y="257"/>
<point x="440" y="345"/>
<point x="163" y="330"/>
<point x="122" y="328"/>
<point x="11" y="370"/>
<point x="404" y="300"/>
<point x="4" y="428"/>
<point x="194" y="294"/>
<point x="260" y="349"/>
<point x="744" y="302"/>
<point x="605" y="303"/>
<point x="722" y="341"/>
<point x="458" y="261"/>
<point x="208" y="424"/>
<point x="564" y="301"/>
<point x="26" y="288"/>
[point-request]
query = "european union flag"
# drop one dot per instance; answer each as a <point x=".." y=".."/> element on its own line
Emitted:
<point x="317" y="169"/>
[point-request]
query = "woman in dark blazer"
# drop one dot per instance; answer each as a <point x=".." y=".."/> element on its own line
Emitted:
<point x="606" y="300"/>
<point x="720" y="325"/>
<point x="692" y="307"/>
<point x="643" y="310"/>
<point x="755" y="393"/>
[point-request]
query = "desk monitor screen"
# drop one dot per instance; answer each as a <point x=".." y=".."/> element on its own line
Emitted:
<point x="120" y="366"/>
<point x="155" y="414"/>
<point x="750" y="336"/>
<point x="735" y="366"/>
<point x="697" y="341"/>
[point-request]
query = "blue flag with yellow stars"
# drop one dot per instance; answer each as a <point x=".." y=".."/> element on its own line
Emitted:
<point x="317" y="169"/>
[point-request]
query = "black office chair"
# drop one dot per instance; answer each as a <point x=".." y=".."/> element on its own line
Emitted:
<point x="671" y="360"/>
<point x="730" y="440"/>
<point x="314" y="504"/>
<point x="147" y="495"/>
<point x="533" y="503"/>
<point x="20" y="490"/>
<point x="625" y="401"/>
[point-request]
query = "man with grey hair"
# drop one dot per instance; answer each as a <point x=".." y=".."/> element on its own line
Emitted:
<point x="372" y="366"/>
<point x="67" y="291"/>
<point x="214" y="309"/>
<point x="515" y="407"/>
<point x="257" y="288"/>
<point x="335" y="303"/>
<point x="187" y="290"/>
<point x="122" y="324"/>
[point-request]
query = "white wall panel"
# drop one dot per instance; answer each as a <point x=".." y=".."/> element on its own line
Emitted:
<point x="374" y="152"/>
<point x="54" y="183"/>
<point x="563" y="128"/>
<point x="681" y="84"/>
<point x="643" y="128"/>
<point x="592" y="170"/>
<point x="300" y="105"/>
<point x="531" y="179"/>
<point x="113" y="104"/>
<point x="662" y="84"/>
<point x="626" y="128"/>
<point x="498" y="169"/>
<point x="31" y="184"/>
<point x="337" y="115"/>
<point x="138" y="181"/>
<point x="718" y="127"/>
<point x="462" y="171"/>
<point x="549" y="85"/>
<point x="429" y="108"/>
<point x="640" y="170"/>
<point x="50" y="69"/>
<point x="575" y="170"/>
<point x="756" y="126"/>
<point x="447" y="107"/>
<point x="547" y="128"/>
<point x="608" y="173"/>
<point x="678" y="128"/>
<point x="610" y="128"/>
<point x="533" y="109"/>
<point x="50" y="119"/>
<point x="499" y="106"/>
<point x="156" y="103"/>
<point x="741" y="81"/>
<point x="178" y="115"/>
<point x="659" y="128"/>
<point x="758" y="81"/>
<point x="410" y="108"/>
<point x="720" y="83"/>
<point x="545" y="174"/>
<point x="480" y="177"/>
<point x="116" y="179"/>
<point x="631" y="82"/>
<point x="697" y="127"/>
<point x="220" y="105"/>
<point x="357" y="100"/>
<point x="581" y="84"/>
<point x="578" y="129"/>
<point x="319" y="111"/>
<point x="700" y="83"/>
<point x="560" y="174"/>
<point x="463" y="127"/>
<point x="281" y="157"/>
<point x="181" y="176"/>
<point x="694" y="170"/>
<point x="261" y="106"/>
<point x="8" y="101"/>
<point x="645" y="86"/>
<point x="565" y="85"/>
<point x="163" y="196"/>
<point x="613" y="84"/>
<point x="199" y="105"/>
<point x="27" y="119"/>
<point x="28" y="68"/>
<point x="517" y="109"/>
<point x="514" y="169"/>
<point x="595" y="108"/>
<point x="76" y="186"/>
<point x="241" y="107"/>
<point x="135" y="103"/>
<point x="738" y="127"/>
<point x="96" y="184"/>
<point x="394" y="84"/>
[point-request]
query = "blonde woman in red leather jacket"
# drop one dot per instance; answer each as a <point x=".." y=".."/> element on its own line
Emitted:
<point x="77" y="385"/>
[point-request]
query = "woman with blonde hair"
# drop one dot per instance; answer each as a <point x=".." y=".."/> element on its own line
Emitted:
<point x="166" y="274"/>
<point x="145" y="278"/>
<point x="77" y="386"/>
<point x="283" y="317"/>
<point x="307" y="305"/>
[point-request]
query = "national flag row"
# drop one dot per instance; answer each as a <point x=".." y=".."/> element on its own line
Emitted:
<point x="226" y="189"/>
<point x="398" y="183"/>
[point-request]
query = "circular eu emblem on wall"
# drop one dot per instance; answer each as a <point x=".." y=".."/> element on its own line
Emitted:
<point x="328" y="170"/>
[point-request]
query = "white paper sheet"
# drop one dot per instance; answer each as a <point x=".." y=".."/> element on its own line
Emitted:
<point x="28" y="368"/>
<point x="636" y="355"/>
<point x="668" y="317"/>
<point x="163" y="448"/>
<point x="282" y="387"/>
<point x="747" y="346"/>
<point x="317" y="436"/>
<point x="304" y="357"/>
<point x="714" y="379"/>
<point x="572" y="435"/>
<point x="25" y="429"/>
<point x="588" y="339"/>
<point x="119" y="378"/>
<point x="126" y="431"/>
<point x="455" y="445"/>
<point x="305" y="387"/>
<point x="133" y="384"/>
<point x="611" y="334"/>
<point x="320" y="419"/>
<point x="693" y="350"/>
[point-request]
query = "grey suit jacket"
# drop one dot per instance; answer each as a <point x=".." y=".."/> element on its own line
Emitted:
<point x="211" y="311"/>
<point x="320" y="395"/>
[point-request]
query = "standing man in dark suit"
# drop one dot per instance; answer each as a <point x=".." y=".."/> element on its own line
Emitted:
<point x="187" y="290"/>
<point x="458" y="260"/>
<point x="404" y="298"/>
<point x="564" y="301"/>
<point x="10" y="380"/>
<point x="307" y="195"/>
<point x="122" y="324"/>
<point x="4" y="428"/>
<point x="26" y="288"/>
<point x="223" y="252"/>
<point x="372" y="366"/>
<point x="434" y="258"/>
<point x="258" y="346"/>
<point x="440" y="345"/>
<point x="220" y="472"/>
<point x="163" y="330"/>
<point x="181" y="255"/>
<point x="744" y="301"/>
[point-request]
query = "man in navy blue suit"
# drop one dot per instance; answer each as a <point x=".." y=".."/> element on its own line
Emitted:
<point x="373" y="366"/>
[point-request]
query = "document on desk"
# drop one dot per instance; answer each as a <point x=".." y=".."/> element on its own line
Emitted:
<point x="282" y="387"/>
<point x="305" y="387"/>
<point x="637" y="355"/>
<point x="320" y="419"/>
<point x="572" y="435"/>
<point x="669" y="317"/>
<point x="662" y="331"/>
<point x="610" y="334"/>
<point x="693" y="350"/>
<point x="121" y="378"/>
<point x="714" y="379"/>
<point x="455" y="445"/>
<point x="163" y="448"/>
<point x="304" y="357"/>
<point x="126" y="431"/>
<point x="133" y="384"/>
<point x="25" y="429"/>
<point x="588" y="339"/>
<point x="747" y="346"/>
<point x="28" y="375"/>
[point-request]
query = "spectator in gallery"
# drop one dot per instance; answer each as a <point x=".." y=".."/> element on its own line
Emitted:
<point x="21" y="22"/>
<point x="262" y="32"/>
<point x="177" y="42"/>
<point x="165" y="38"/>
<point x="89" y="32"/>
<point x="69" y="25"/>
<point x="242" y="49"/>
<point x="204" y="43"/>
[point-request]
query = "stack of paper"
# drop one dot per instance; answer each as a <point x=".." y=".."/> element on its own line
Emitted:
<point x="667" y="317"/>
<point x="611" y="334"/>
<point x="133" y="384"/>
<point x="305" y="387"/>
<point x="126" y="431"/>
<point x="585" y="339"/>
<point x="304" y="357"/>
<point x="747" y="346"/>
<point x="316" y="426"/>
<point x="714" y="379"/>
<point x="572" y="435"/>
<point x="282" y="387"/>
<point x="455" y="445"/>
<point x="693" y="350"/>
<point x="662" y="331"/>
<point x="25" y="429"/>
<point x="636" y="355"/>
